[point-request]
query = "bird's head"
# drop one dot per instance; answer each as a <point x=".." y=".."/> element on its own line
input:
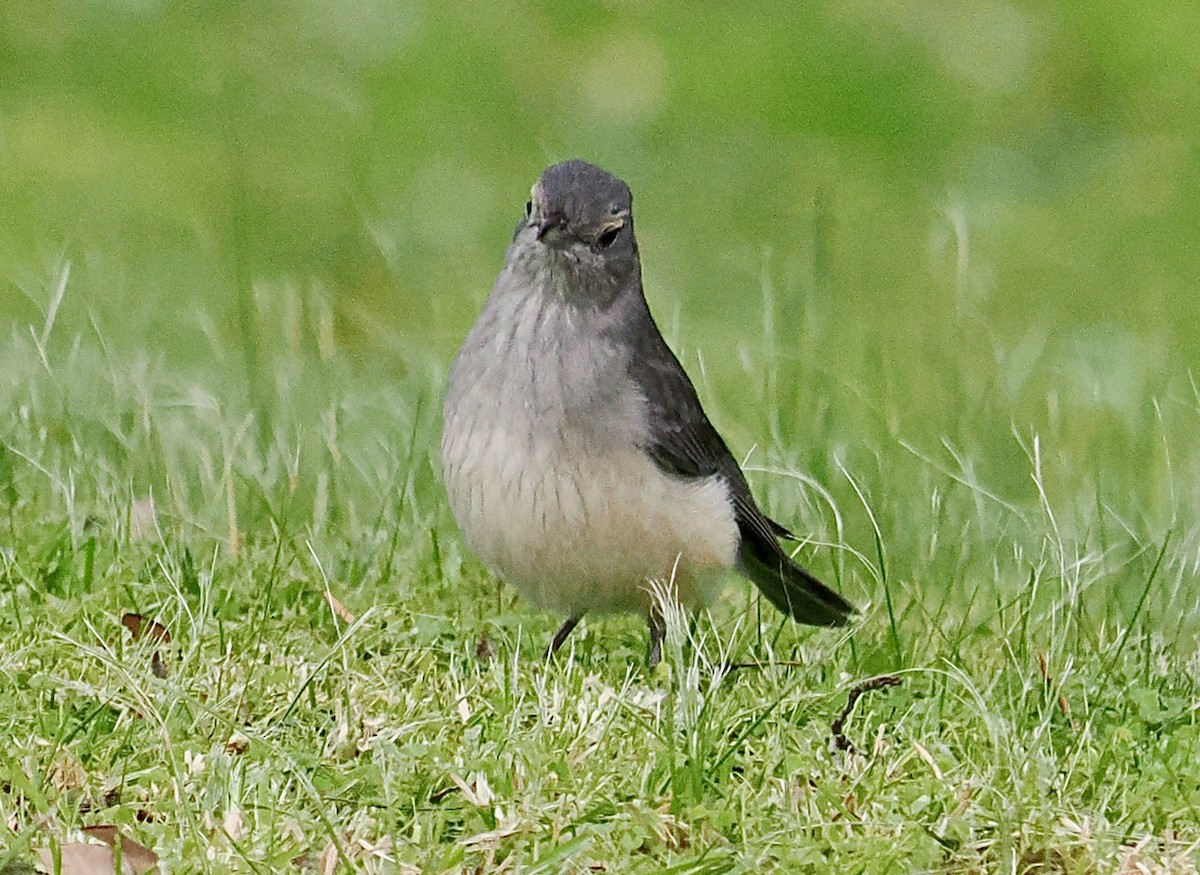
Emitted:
<point x="579" y="217"/>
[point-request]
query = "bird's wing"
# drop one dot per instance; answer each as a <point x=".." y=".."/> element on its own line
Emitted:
<point x="682" y="441"/>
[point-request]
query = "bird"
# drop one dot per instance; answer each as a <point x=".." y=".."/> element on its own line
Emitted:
<point x="577" y="458"/>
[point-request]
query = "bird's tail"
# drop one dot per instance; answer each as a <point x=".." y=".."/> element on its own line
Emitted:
<point x="789" y="587"/>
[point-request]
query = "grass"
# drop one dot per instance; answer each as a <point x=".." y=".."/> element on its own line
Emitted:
<point x="1025" y="555"/>
<point x="934" y="278"/>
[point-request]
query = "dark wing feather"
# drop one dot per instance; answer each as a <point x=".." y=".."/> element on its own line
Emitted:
<point x="683" y="442"/>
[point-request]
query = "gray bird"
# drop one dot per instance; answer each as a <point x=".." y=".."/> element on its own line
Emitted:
<point x="576" y="456"/>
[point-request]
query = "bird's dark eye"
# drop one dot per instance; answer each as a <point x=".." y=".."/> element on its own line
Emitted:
<point x="528" y="209"/>
<point x="609" y="237"/>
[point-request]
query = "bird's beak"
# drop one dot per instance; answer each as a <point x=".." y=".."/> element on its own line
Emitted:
<point x="549" y="222"/>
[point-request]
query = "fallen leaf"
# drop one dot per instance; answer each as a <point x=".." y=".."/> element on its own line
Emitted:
<point x="152" y="629"/>
<point x="89" y="858"/>
<point x="139" y="856"/>
<point x="155" y="631"/>
<point x="83" y="858"/>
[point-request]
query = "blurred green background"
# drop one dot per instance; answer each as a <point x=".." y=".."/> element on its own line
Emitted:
<point x="998" y="195"/>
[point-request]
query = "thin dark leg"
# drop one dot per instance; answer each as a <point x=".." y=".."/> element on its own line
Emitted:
<point x="658" y="631"/>
<point x="561" y="635"/>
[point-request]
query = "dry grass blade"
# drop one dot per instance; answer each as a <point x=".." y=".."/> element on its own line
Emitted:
<point x="338" y="608"/>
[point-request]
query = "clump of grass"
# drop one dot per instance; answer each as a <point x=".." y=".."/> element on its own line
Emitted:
<point x="1036" y="612"/>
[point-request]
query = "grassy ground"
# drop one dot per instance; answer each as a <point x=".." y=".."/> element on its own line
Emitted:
<point x="933" y="273"/>
<point x="1042" y="628"/>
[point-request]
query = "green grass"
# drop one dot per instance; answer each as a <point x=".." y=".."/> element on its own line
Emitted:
<point x="933" y="274"/>
<point x="1034" y="595"/>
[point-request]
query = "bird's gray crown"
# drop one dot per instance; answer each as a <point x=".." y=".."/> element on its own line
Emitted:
<point x="576" y="237"/>
<point x="580" y="201"/>
<point x="582" y="192"/>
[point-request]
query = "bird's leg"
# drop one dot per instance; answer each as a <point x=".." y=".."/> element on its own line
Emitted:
<point x="561" y="635"/>
<point x="658" y="631"/>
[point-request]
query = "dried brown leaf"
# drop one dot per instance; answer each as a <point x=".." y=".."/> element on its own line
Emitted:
<point x="152" y="629"/>
<point x="139" y="856"/>
<point x="83" y="858"/>
<point x="90" y="858"/>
